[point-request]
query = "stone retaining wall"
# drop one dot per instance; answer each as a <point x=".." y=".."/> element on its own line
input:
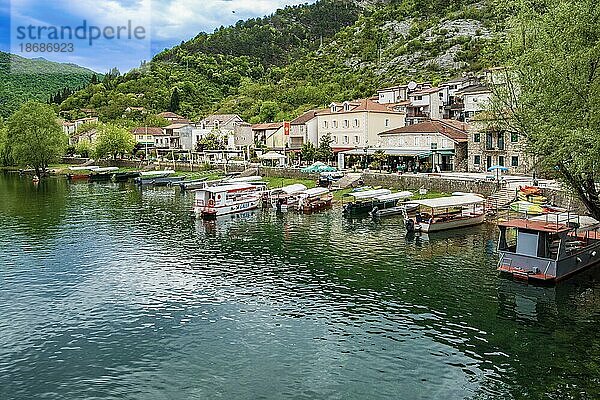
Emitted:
<point x="434" y="183"/>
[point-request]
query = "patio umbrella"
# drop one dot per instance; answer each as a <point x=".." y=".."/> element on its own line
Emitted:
<point x="498" y="168"/>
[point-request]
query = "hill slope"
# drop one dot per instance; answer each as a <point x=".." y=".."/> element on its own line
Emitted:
<point x="275" y="67"/>
<point x="35" y="79"/>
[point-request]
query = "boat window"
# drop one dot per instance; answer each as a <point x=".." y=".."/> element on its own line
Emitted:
<point x="527" y="243"/>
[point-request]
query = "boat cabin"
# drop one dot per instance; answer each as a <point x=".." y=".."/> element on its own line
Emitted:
<point x="445" y="213"/>
<point x="220" y="196"/>
<point x="547" y="250"/>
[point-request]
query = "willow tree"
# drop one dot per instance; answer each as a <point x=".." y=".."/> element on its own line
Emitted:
<point x="550" y="91"/>
<point x="35" y="137"/>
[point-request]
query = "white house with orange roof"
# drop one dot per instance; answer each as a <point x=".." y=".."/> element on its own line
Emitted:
<point x="356" y="124"/>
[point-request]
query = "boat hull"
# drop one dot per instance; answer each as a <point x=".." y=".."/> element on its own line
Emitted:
<point x="451" y="224"/>
<point x="531" y="268"/>
<point x="208" y="212"/>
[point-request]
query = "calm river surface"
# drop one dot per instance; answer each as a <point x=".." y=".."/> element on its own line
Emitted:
<point x="109" y="292"/>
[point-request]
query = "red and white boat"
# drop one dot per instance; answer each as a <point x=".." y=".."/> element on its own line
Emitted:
<point x="215" y="201"/>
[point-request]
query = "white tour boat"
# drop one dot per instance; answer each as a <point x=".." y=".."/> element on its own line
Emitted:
<point x="443" y="213"/>
<point x="215" y="201"/>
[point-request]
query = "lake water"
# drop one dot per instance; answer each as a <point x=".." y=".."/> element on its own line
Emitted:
<point x="109" y="292"/>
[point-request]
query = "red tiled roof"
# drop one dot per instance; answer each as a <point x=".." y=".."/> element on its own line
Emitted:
<point x="447" y="128"/>
<point x="150" y="130"/>
<point x="268" y="125"/>
<point x="304" y="118"/>
<point x="361" y="105"/>
<point x="169" y="114"/>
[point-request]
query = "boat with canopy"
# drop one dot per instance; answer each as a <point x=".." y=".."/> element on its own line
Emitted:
<point x="443" y="213"/>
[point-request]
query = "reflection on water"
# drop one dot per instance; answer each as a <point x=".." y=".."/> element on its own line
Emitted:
<point x="125" y="295"/>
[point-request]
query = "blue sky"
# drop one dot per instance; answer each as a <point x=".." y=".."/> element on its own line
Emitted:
<point x="165" y="23"/>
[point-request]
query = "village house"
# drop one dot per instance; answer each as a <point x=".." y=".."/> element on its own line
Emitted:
<point x="174" y="118"/>
<point x="71" y="127"/>
<point x="356" y="124"/>
<point x="235" y="132"/>
<point x="475" y="99"/>
<point x="144" y="135"/>
<point x="429" y="146"/>
<point x="454" y="108"/>
<point x="304" y="129"/>
<point x="263" y="133"/>
<point x="175" y="132"/>
<point x="428" y="103"/>
<point x="490" y="145"/>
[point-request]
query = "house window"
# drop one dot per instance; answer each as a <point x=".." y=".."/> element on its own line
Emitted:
<point x="433" y="146"/>
<point x="500" y="140"/>
<point x="514" y="161"/>
<point x="346" y="141"/>
<point x="346" y="123"/>
<point x="477" y="160"/>
<point x="501" y="161"/>
<point x="356" y="123"/>
<point x="416" y="141"/>
<point x="335" y="140"/>
<point x="356" y="139"/>
<point x="477" y="137"/>
<point x="387" y="122"/>
<point x="418" y="97"/>
<point x="325" y="124"/>
<point x="489" y="161"/>
<point x="489" y="143"/>
<point x="335" y="124"/>
<point x="347" y="107"/>
<point x="514" y="137"/>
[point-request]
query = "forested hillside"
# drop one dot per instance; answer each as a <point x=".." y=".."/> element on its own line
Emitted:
<point x="36" y="79"/>
<point x="275" y="67"/>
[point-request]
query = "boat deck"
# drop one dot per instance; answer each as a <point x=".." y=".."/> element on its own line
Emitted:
<point x="518" y="273"/>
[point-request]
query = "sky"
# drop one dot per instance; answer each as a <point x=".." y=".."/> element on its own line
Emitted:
<point x="145" y="27"/>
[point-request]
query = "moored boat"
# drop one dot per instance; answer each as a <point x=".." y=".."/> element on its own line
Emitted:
<point x="433" y="215"/>
<point x="314" y="199"/>
<point x="211" y="202"/>
<point x="125" y="176"/>
<point x="548" y="248"/>
<point x="525" y="207"/>
<point x="149" y="177"/>
<point x="285" y="197"/>
<point x="104" y="174"/>
<point x="365" y="200"/>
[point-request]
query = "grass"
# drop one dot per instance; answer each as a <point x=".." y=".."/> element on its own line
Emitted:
<point x="276" y="182"/>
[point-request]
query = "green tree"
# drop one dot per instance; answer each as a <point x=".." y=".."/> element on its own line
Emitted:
<point x="36" y="139"/>
<point x="113" y="141"/>
<point x="308" y="152"/>
<point x="212" y="141"/>
<point x="174" y="103"/>
<point x="324" y="152"/>
<point x="84" y="148"/>
<point x="268" y="111"/>
<point x="5" y="155"/>
<point x="379" y="158"/>
<point x="550" y="94"/>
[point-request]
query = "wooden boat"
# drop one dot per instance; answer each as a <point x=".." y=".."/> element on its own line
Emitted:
<point x="536" y="199"/>
<point x="168" y="181"/>
<point x="314" y="199"/>
<point x="193" y="184"/>
<point x="433" y="215"/>
<point x="215" y="201"/>
<point x="398" y="210"/>
<point x="525" y="207"/>
<point x="81" y="173"/>
<point x="365" y="200"/>
<point x="104" y="174"/>
<point x="125" y="176"/>
<point x="148" y="177"/>
<point x="253" y="178"/>
<point x="285" y="197"/>
<point x="548" y="248"/>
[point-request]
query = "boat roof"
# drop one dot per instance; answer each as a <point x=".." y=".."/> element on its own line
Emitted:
<point x="290" y="189"/>
<point x="91" y="168"/>
<point x="584" y="221"/>
<point x="245" y="179"/>
<point x="105" y="169"/>
<point x="316" y="191"/>
<point x="541" y="226"/>
<point x="157" y="172"/>
<point x="369" y="193"/>
<point x="451" y="201"/>
<point x="234" y="187"/>
<point x="395" y="196"/>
